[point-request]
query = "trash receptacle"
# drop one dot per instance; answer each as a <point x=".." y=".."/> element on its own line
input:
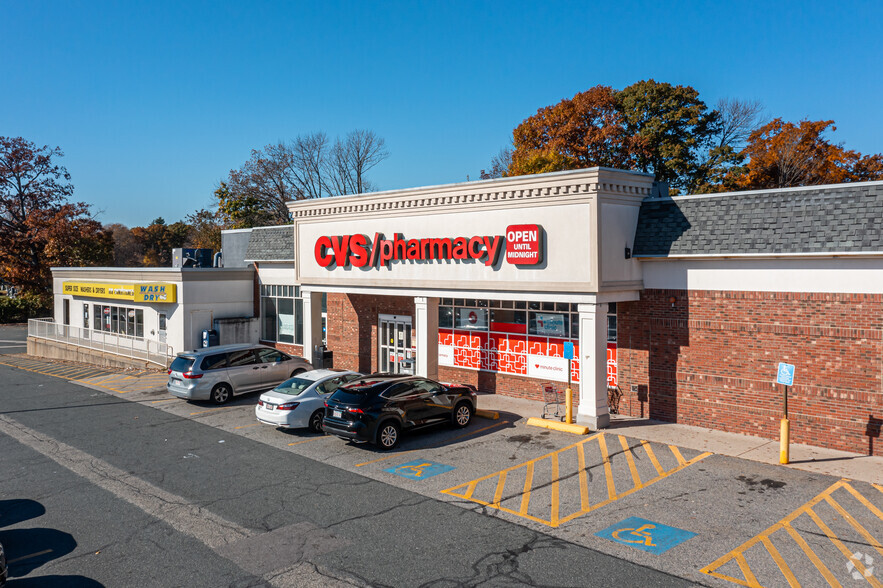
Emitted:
<point x="209" y="338"/>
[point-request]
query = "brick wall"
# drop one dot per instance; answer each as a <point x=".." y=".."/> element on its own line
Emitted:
<point x="709" y="358"/>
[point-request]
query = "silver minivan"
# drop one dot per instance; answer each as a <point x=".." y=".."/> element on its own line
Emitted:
<point x="219" y="373"/>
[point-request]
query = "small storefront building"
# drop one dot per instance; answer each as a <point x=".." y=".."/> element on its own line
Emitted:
<point x="150" y="313"/>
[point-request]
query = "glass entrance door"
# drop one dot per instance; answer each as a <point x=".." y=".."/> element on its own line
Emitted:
<point x="397" y="355"/>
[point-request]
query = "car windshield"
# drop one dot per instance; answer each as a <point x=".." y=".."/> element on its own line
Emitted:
<point x="294" y="386"/>
<point x="181" y="364"/>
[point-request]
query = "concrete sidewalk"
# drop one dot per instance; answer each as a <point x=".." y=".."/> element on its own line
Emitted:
<point x="804" y="457"/>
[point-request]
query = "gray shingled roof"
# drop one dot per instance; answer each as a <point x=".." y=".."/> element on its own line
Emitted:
<point x="271" y="244"/>
<point x="842" y="218"/>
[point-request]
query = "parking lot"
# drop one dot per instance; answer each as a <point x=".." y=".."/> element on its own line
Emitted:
<point x="709" y="518"/>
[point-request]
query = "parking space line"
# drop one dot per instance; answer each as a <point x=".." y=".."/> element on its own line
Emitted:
<point x="163" y="400"/>
<point x="823" y="569"/>
<point x="436" y="446"/>
<point x="554" y="486"/>
<point x="636" y="477"/>
<point x="246" y="426"/>
<point x="211" y="410"/>
<point x="652" y="457"/>
<point x="765" y="538"/>
<point x="308" y="440"/>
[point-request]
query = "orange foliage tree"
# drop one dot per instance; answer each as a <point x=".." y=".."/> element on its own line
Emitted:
<point x="39" y="228"/>
<point x="782" y="155"/>
<point x="584" y="131"/>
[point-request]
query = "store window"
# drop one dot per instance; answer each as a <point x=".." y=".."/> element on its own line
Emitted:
<point x="517" y="337"/>
<point x="120" y="320"/>
<point x="282" y="314"/>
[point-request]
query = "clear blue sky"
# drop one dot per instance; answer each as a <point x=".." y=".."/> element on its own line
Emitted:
<point x="154" y="102"/>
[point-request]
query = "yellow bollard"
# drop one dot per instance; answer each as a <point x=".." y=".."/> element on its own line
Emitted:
<point x="784" y="439"/>
<point x="568" y="403"/>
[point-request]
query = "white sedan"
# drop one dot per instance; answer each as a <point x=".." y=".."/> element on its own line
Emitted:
<point x="299" y="402"/>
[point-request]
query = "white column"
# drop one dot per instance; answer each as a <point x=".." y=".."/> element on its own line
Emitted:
<point x="427" y="336"/>
<point x="593" y="366"/>
<point x="312" y="322"/>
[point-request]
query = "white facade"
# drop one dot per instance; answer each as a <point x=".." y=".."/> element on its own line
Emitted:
<point x="201" y="296"/>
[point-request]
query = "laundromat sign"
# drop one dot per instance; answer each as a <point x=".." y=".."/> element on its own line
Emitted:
<point x="150" y="292"/>
<point x="522" y="245"/>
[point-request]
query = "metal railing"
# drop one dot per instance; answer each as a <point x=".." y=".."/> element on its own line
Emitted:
<point x="150" y="351"/>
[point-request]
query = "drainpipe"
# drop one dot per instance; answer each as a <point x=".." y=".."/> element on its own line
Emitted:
<point x="216" y="261"/>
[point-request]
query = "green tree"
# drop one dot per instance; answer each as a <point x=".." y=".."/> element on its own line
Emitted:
<point x="158" y="239"/>
<point x="205" y="231"/>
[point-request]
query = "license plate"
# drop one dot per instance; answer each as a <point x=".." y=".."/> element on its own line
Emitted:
<point x="176" y="380"/>
<point x="337" y="414"/>
<point x="269" y="406"/>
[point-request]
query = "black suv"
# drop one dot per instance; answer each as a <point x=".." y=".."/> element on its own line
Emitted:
<point x="379" y="407"/>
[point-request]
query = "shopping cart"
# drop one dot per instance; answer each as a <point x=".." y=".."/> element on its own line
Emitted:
<point x="552" y="397"/>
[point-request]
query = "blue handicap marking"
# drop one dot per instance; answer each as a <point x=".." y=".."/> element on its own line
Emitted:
<point x="419" y="469"/>
<point x="568" y="350"/>
<point x="645" y="535"/>
<point x="785" y="374"/>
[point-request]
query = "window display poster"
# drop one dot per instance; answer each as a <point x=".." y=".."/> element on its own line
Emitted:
<point x="472" y="318"/>
<point x="286" y="324"/>
<point x="550" y="324"/>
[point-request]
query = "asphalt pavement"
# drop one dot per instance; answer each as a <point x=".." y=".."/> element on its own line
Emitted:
<point x="135" y="484"/>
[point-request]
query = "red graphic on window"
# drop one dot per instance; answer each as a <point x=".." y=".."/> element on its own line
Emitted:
<point x="611" y="364"/>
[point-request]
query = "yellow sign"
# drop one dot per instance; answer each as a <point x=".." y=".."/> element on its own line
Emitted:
<point x="149" y="292"/>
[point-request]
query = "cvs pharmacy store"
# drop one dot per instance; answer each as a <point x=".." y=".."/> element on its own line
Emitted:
<point x="482" y="282"/>
<point x="683" y="307"/>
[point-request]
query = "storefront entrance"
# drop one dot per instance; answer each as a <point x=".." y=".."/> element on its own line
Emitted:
<point x="397" y="355"/>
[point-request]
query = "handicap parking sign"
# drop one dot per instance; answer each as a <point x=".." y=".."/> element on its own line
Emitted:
<point x="645" y="535"/>
<point x="785" y="374"/>
<point x="419" y="469"/>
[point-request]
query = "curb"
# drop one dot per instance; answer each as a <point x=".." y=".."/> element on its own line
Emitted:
<point x="556" y="426"/>
<point x="487" y="414"/>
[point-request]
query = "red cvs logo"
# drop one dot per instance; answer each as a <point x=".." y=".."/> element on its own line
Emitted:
<point x="523" y="244"/>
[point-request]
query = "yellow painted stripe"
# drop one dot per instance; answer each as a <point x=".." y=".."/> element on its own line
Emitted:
<point x="749" y="577"/>
<point x="829" y="577"/>
<point x="608" y="468"/>
<point x="777" y="557"/>
<point x="528" y="486"/>
<point x="308" y="440"/>
<point x="855" y="524"/>
<point x="865" y="501"/>
<point x="633" y="490"/>
<point x="435" y="446"/>
<point x="553" y="518"/>
<point x="843" y="549"/>
<point x="636" y="478"/>
<point x="166" y="400"/>
<point x="583" y="479"/>
<point x="470" y="490"/>
<point x="677" y="454"/>
<point x="498" y="494"/>
<point x="729" y="578"/>
<point x="211" y="410"/>
<point x="652" y="457"/>
<point x="246" y="426"/>
<point x="785" y="521"/>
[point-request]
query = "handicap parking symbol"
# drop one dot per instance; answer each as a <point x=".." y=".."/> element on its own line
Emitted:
<point x="419" y="469"/>
<point x="645" y="535"/>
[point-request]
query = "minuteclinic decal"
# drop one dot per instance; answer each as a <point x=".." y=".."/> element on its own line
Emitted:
<point x="522" y="246"/>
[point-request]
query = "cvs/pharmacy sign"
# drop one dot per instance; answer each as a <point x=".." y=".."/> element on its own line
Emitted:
<point x="523" y="246"/>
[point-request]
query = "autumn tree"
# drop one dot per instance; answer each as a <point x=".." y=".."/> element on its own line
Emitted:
<point x="584" y="131"/>
<point x="158" y="239"/>
<point x="39" y="227"/>
<point x="781" y="155"/>
<point x="205" y="230"/>
<point x="304" y="168"/>
<point x="127" y="250"/>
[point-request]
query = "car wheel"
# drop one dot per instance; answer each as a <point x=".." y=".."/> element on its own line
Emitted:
<point x="388" y="435"/>
<point x="316" y="421"/>
<point x="462" y="415"/>
<point x="221" y="394"/>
